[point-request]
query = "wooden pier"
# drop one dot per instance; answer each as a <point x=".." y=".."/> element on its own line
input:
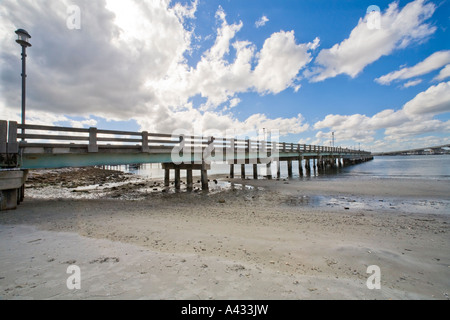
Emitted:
<point x="59" y="147"/>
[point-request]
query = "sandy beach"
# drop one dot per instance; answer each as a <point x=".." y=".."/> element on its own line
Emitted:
<point x="255" y="239"/>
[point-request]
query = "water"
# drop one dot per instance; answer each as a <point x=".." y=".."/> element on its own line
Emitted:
<point x="431" y="168"/>
<point x="436" y="167"/>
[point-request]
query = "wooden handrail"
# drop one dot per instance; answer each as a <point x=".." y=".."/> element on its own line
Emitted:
<point x="145" y="140"/>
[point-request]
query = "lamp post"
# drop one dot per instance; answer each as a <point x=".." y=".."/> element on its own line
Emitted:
<point x="332" y="137"/>
<point x="22" y="39"/>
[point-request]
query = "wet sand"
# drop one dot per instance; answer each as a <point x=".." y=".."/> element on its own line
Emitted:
<point x="268" y="241"/>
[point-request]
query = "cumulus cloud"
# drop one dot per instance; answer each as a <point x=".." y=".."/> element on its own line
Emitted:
<point x="412" y="83"/>
<point x="398" y="28"/>
<point x="395" y="142"/>
<point x="128" y="61"/>
<point x="413" y="128"/>
<point x="443" y="74"/>
<point x="261" y="22"/>
<point x="279" y="61"/>
<point x="277" y="65"/>
<point x="98" y="69"/>
<point x="383" y="119"/>
<point x="212" y="123"/>
<point x="415" y="118"/>
<point x="435" y="100"/>
<point x="433" y="62"/>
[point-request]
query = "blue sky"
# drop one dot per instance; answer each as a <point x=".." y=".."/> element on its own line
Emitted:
<point x="306" y="68"/>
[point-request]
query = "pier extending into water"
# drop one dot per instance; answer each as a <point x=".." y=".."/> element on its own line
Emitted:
<point x="28" y="147"/>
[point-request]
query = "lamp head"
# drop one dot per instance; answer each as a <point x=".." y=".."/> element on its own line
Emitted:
<point x="22" y="38"/>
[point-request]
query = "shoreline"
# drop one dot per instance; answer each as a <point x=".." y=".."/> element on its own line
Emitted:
<point x="264" y="242"/>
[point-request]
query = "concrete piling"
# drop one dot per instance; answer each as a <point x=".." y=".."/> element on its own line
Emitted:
<point x="269" y="170"/>
<point x="166" y="177"/>
<point x="189" y="180"/>
<point x="289" y="165"/>
<point x="300" y="168"/>
<point x="177" y="178"/>
<point x="12" y="188"/>
<point x="278" y="169"/>
<point x="204" y="176"/>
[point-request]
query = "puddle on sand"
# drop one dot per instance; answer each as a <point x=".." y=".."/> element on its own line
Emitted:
<point x="373" y="204"/>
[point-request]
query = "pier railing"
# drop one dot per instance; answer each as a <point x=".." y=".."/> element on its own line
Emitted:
<point x="14" y="136"/>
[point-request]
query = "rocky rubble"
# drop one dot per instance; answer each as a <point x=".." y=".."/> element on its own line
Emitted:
<point x="74" y="177"/>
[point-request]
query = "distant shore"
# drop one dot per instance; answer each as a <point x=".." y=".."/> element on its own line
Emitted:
<point x="256" y="239"/>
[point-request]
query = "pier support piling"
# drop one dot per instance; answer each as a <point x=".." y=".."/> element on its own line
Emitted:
<point x="204" y="176"/>
<point x="269" y="170"/>
<point x="300" y="168"/>
<point x="177" y="178"/>
<point x="278" y="169"/>
<point x="12" y="188"/>
<point x="289" y="165"/>
<point x="189" y="180"/>
<point x="307" y="167"/>
<point x="166" y="177"/>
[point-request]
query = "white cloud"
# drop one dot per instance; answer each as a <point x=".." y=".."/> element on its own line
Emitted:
<point x="128" y="62"/>
<point x="208" y="122"/>
<point x="413" y="128"/>
<point x="83" y="123"/>
<point x="99" y="69"/>
<point x="279" y="62"/>
<point x="234" y="102"/>
<point x="435" y="100"/>
<point x="218" y="78"/>
<point x="365" y="45"/>
<point x="443" y="74"/>
<point x="391" y="143"/>
<point x="261" y="22"/>
<point x="412" y="83"/>
<point x="433" y="62"/>
<point x="415" y="118"/>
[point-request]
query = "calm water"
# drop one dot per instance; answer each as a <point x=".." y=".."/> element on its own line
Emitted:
<point x="417" y="167"/>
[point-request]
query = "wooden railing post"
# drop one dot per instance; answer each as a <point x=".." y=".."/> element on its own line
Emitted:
<point x="92" y="147"/>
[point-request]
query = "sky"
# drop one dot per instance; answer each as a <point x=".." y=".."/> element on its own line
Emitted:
<point x="374" y="73"/>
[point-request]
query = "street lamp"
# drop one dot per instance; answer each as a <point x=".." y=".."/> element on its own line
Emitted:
<point x="332" y="136"/>
<point x="22" y="39"/>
